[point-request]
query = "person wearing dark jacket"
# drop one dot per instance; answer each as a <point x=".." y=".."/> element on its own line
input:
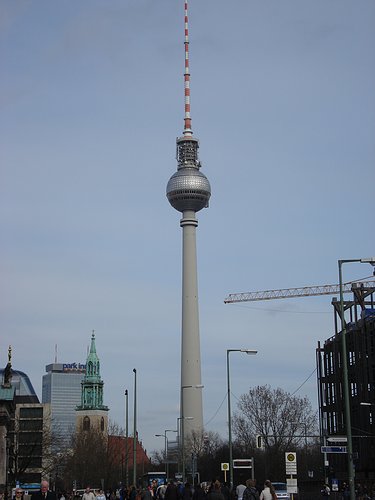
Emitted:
<point x="171" y="493"/>
<point x="198" y="494"/>
<point x="250" y="493"/>
<point x="215" y="493"/>
<point x="44" y="493"/>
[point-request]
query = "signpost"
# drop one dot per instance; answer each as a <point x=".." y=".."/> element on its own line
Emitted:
<point x="291" y="469"/>
<point x="337" y="439"/>
<point x="225" y="468"/>
<point x="334" y="449"/>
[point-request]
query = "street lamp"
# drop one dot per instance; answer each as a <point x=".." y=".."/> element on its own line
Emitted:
<point x="126" y="438"/>
<point x="304" y="425"/>
<point x="345" y="377"/>
<point x="166" y="449"/>
<point x="247" y="351"/>
<point x="135" y="430"/>
<point x="183" y="418"/>
<point x="180" y="440"/>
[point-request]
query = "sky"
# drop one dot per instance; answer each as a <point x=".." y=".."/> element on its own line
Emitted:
<point x="91" y="93"/>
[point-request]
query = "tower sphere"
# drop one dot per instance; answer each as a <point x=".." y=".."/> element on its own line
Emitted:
<point x="188" y="189"/>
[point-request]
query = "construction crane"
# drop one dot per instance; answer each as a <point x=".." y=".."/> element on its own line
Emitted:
<point x="305" y="291"/>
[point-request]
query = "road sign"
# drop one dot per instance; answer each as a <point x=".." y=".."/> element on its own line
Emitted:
<point x="333" y="449"/>
<point x="291" y="485"/>
<point x="242" y="463"/>
<point x="290" y="457"/>
<point x="224" y="466"/>
<point x="291" y="462"/>
<point x="337" y="439"/>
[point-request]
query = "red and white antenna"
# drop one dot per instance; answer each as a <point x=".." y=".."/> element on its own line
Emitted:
<point x="187" y="119"/>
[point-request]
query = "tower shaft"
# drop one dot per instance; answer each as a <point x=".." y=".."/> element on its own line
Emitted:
<point x="191" y="395"/>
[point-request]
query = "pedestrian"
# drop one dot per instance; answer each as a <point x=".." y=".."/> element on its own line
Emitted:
<point x="186" y="492"/>
<point x="199" y="493"/>
<point x="225" y="491"/>
<point x="239" y="491"/>
<point x="132" y="492"/>
<point x="250" y="493"/>
<point x="88" y="494"/>
<point x="268" y="492"/>
<point x="146" y="494"/>
<point x="325" y="491"/>
<point x="171" y="493"/>
<point x="44" y="493"/>
<point x="18" y="494"/>
<point x="215" y="492"/>
<point x="160" y="492"/>
<point x="100" y="495"/>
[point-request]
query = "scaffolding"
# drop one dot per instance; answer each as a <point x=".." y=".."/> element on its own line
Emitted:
<point x="359" y="316"/>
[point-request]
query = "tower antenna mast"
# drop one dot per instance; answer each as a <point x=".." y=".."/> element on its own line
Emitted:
<point x="187" y="119"/>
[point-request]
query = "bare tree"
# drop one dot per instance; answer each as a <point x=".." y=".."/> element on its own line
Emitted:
<point x="283" y="420"/>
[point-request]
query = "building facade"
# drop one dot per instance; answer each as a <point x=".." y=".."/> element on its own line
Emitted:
<point x="360" y="339"/>
<point x="29" y="443"/>
<point x="61" y="389"/>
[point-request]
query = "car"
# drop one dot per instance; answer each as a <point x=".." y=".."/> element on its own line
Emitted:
<point x="281" y="491"/>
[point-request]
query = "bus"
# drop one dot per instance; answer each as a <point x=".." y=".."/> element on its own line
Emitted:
<point x="149" y="477"/>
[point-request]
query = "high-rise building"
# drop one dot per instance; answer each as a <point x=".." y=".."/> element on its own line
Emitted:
<point x="62" y="390"/>
<point x="92" y="413"/>
<point x="188" y="191"/>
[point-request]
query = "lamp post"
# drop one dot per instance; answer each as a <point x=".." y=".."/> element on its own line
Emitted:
<point x="180" y="440"/>
<point x="126" y="439"/>
<point x="345" y="376"/>
<point x="247" y="351"/>
<point x="135" y="431"/>
<point x="166" y="449"/>
<point x="304" y="425"/>
<point x="183" y="418"/>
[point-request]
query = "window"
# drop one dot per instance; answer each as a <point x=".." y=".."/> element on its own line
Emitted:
<point x="86" y="423"/>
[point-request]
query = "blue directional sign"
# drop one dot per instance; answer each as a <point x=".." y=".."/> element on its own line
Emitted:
<point x="333" y="449"/>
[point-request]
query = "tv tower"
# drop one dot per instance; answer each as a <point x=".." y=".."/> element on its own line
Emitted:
<point x="188" y="191"/>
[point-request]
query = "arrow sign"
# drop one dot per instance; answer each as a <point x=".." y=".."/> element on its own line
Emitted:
<point x="333" y="449"/>
<point x="337" y="439"/>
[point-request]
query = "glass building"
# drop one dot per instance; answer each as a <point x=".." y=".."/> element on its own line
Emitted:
<point x="24" y="389"/>
<point x="62" y="390"/>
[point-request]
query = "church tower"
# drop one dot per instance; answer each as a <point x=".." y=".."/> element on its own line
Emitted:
<point x="92" y="414"/>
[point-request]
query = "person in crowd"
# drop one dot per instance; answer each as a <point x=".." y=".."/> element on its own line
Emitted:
<point x="268" y="492"/>
<point x="215" y="492"/>
<point x="187" y="493"/>
<point x="171" y="493"/>
<point x="18" y="494"/>
<point x="132" y="492"/>
<point x="199" y="493"/>
<point x="345" y="491"/>
<point x="88" y="494"/>
<point x="225" y="491"/>
<point x="325" y="491"/>
<point x="239" y="491"/>
<point x="146" y="493"/>
<point x="250" y="493"/>
<point x="160" y="492"/>
<point x="100" y="495"/>
<point x="44" y="493"/>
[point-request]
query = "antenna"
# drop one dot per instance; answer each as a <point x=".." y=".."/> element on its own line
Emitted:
<point x="55" y="353"/>
<point x="187" y="119"/>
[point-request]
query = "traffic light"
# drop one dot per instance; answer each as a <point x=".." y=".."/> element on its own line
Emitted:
<point x="259" y="441"/>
